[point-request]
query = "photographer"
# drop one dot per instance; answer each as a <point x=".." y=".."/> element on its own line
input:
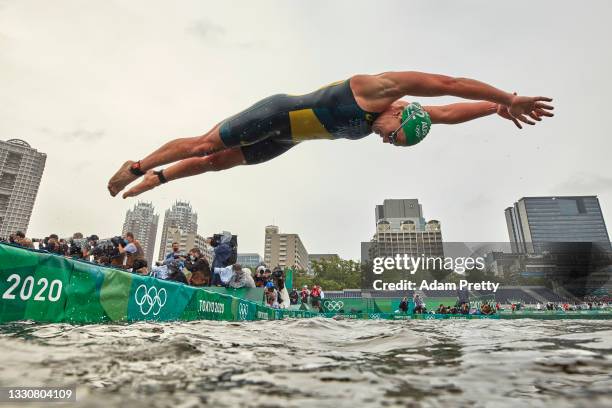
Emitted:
<point x="77" y="245"/>
<point x="199" y="268"/>
<point x="174" y="254"/>
<point x="132" y="250"/>
<point x="89" y="248"/>
<point x="259" y="276"/>
<point x="223" y="255"/>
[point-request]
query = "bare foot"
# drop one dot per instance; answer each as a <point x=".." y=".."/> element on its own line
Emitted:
<point x="149" y="182"/>
<point x="122" y="178"/>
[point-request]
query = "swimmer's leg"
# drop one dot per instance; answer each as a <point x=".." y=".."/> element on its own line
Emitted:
<point x="170" y="152"/>
<point x="222" y="160"/>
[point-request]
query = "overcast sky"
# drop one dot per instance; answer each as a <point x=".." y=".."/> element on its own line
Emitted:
<point x="95" y="83"/>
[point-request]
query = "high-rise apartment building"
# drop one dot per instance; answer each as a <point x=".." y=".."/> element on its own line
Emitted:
<point x="284" y="250"/>
<point x="180" y="216"/>
<point x="21" y="168"/>
<point x="142" y="222"/>
<point x="535" y="222"/>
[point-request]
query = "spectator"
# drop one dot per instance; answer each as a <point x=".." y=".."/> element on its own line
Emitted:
<point x="304" y="294"/>
<point x="64" y="249"/>
<point x="486" y="309"/>
<point x="20" y="239"/>
<point x="267" y="276"/>
<point x="315" y="296"/>
<point x="293" y="296"/>
<point x="271" y="296"/>
<point x="199" y="268"/>
<point x="241" y="278"/>
<point x="419" y="308"/>
<point x="403" y="306"/>
<point x="133" y="250"/>
<point x="53" y="244"/>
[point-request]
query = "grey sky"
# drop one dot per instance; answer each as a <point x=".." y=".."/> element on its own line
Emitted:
<point x="95" y="83"/>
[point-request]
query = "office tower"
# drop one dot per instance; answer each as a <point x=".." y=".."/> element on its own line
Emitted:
<point x="535" y="222"/>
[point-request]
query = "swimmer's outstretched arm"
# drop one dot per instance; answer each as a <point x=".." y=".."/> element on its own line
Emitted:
<point x="460" y="112"/>
<point x="387" y="87"/>
<point x="463" y="112"/>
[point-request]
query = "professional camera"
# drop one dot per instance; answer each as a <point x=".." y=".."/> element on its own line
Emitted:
<point x="108" y="249"/>
<point x="76" y="247"/>
<point x="118" y="241"/>
<point x="215" y="240"/>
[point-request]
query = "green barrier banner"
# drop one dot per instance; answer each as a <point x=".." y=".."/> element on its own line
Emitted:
<point x="32" y="287"/>
<point x="83" y="296"/>
<point x="254" y="294"/>
<point x="289" y="279"/>
<point x="50" y="288"/>
<point x="154" y="299"/>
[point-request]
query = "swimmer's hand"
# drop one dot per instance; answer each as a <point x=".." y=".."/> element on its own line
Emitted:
<point x="502" y="110"/>
<point x="529" y="109"/>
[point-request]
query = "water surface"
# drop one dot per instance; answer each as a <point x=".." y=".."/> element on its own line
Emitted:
<point x="318" y="363"/>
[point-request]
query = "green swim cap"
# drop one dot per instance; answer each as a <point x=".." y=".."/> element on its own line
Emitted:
<point x="417" y="123"/>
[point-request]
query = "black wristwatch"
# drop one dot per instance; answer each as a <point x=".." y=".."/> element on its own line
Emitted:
<point x="160" y="176"/>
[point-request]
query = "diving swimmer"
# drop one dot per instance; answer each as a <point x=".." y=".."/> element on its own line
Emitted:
<point x="349" y="109"/>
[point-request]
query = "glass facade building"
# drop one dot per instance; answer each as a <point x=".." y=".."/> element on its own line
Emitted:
<point x="534" y="222"/>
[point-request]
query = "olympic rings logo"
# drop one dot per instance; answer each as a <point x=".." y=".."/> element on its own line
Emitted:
<point x="334" y="305"/>
<point x="375" y="316"/>
<point x="243" y="311"/>
<point x="150" y="300"/>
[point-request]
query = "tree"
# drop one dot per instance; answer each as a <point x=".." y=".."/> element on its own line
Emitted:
<point x="331" y="274"/>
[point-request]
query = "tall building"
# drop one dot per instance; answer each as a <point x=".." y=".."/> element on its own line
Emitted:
<point x="180" y="216"/>
<point x="142" y="222"/>
<point x="250" y="260"/>
<point x="534" y="222"/>
<point x="21" y="168"/>
<point x="398" y="211"/>
<point x="284" y="250"/>
<point x="402" y="229"/>
<point x="187" y="241"/>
